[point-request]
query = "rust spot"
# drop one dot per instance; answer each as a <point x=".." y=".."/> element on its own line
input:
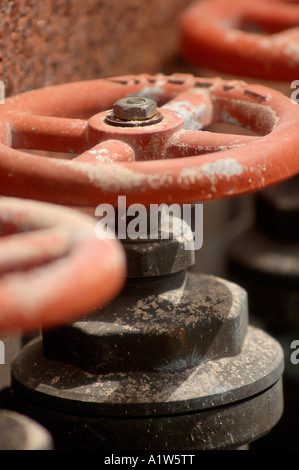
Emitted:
<point x="228" y="87"/>
<point x="121" y="82"/>
<point x="203" y="84"/>
<point x="255" y="96"/>
<point x="176" y="81"/>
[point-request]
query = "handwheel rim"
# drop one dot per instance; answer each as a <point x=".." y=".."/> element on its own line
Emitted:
<point x="52" y="266"/>
<point x="249" y="164"/>
<point x="212" y="36"/>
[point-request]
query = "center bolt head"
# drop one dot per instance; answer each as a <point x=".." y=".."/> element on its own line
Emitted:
<point x="134" y="108"/>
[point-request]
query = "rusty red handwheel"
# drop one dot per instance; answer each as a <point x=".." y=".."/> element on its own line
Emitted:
<point x="258" y="39"/>
<point x="168" y="160"/>
<point x="52" y="266"/>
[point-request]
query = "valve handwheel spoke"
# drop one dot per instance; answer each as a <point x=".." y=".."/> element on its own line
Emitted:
<point x="108" y="152"/>
<point x="164" y="155"/>
<point x="195" y="106"/>
<point x="186" y="143"/>
<point x="197" y="111"/>
<point x="55" y="134"/>
<point x="52" y="266"/>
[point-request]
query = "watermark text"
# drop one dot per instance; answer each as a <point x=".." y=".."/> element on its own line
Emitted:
<point x="159" y="221"/>
<point x="2" y="92"/>
<point x="2" y="352"/>
<point x="295" y="354"/>
<point x="295" y="94"/>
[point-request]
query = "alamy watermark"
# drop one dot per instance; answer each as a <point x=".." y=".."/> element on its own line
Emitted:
<point x="294" y="357"/>
<point x="2" y="352"/>
<point x="158" y="221"/>
<point x="2" y="92"/>
<point x="295" y="94"/>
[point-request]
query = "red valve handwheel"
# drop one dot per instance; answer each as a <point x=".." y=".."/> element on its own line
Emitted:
<point x="258" y="39"/>
<point x="52" y="266"/>
<point x="169" y="161"/>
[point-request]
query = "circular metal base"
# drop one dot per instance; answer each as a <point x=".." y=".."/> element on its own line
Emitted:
<point x="222" y="427"/>
<point x="219" y="382"/>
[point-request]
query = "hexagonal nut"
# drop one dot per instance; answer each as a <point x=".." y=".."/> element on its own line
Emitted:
<point x="134" y="108"/>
